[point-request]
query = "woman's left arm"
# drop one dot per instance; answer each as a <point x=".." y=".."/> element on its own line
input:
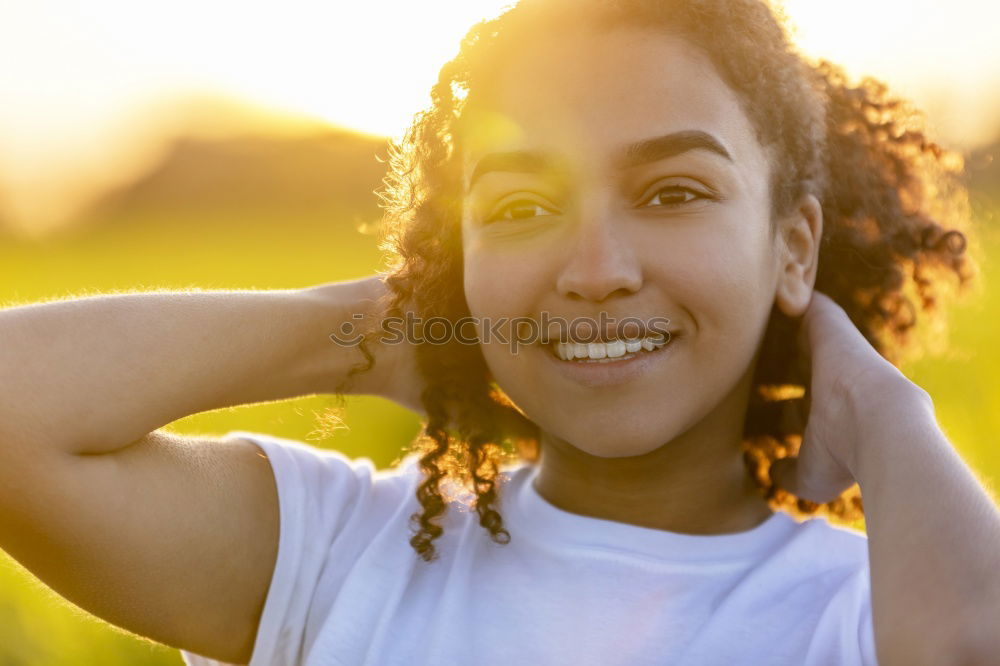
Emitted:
<point x="933" y="530"/>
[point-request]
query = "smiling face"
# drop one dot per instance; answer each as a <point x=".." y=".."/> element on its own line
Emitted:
<point x="676" y="227"/>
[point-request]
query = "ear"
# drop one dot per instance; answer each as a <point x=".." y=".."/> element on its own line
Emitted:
<point x="799" y="235"/>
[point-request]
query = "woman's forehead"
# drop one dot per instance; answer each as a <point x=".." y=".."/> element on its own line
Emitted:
<point x="595" y="97"/>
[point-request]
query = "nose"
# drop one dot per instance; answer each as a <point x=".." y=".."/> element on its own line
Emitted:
<point x="602" y="261"/>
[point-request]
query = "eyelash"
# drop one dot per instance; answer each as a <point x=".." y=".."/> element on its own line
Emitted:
<point x="698" y="195"/>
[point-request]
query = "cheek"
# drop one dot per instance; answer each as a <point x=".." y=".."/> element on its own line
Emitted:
<point x="721" y="276"/>
<point x="476" y="271"/>
<point x="499" y="288"/>
<point x="493" y="299"/>
<point x="484" y="292"/>
<point x="502" y="283"/>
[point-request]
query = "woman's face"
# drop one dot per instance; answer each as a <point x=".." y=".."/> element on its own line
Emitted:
<point x="674" y="230"/>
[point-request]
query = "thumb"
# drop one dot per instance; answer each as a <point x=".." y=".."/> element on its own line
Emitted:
<point x="784" y="472"/>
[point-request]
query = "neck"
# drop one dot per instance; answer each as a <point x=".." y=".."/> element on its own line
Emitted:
<point x="695" y="484"/>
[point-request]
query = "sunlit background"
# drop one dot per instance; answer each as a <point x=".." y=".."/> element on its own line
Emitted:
<point x="233" y="145"/>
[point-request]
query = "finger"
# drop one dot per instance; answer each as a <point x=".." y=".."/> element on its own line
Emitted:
<point x="800" y="478"/>
<point x="818" y="303"/>
<point x="824" y="323"/>
<point x="802" y="340"/>
<point x="808" y="328"/>
<point x="784" y="473"/>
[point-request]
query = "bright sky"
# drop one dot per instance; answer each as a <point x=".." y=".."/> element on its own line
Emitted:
<point x="74" y="75"/>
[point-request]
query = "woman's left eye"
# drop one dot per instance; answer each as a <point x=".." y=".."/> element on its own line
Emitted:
<point x="677" y="196"/>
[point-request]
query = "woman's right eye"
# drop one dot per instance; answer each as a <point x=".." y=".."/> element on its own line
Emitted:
<point x="519" y="210"/>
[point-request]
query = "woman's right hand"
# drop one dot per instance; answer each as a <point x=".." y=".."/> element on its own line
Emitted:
<point x="394" y="375"/>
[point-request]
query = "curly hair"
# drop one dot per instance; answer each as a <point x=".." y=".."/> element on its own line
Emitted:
<point x="896" y="224"/>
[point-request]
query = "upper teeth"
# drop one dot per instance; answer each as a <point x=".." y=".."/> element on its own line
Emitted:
<point x="614" y="349"/>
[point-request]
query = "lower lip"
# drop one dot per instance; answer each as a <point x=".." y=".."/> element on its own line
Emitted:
<point x="611" y="373"/>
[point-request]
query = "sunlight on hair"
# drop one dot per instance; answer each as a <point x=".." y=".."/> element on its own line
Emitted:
<point x="777" y="392"/>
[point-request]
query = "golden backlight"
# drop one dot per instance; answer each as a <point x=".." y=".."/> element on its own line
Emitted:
<point x="78" y="80"/>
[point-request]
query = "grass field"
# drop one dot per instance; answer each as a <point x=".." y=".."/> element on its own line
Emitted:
<point x="242" y="250"/>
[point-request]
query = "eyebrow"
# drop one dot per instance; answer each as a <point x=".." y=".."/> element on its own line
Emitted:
<point x="636" y="154"/>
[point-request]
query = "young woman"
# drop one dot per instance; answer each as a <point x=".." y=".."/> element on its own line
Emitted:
<point x="650" y="493"/>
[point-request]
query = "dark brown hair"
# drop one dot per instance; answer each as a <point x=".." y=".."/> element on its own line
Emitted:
<point x="895" y="225"/>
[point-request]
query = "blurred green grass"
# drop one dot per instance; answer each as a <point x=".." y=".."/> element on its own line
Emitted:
<point x="261" y="249"/>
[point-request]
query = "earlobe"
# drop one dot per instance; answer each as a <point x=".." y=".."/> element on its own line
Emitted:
<point x="799" y="240"/>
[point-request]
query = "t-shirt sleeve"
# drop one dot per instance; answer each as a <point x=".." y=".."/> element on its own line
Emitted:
<point x="866" y="629"/>
<point x="839" y="566"/>
<point x="854" y="601"/>
<point x="318" y="491"/>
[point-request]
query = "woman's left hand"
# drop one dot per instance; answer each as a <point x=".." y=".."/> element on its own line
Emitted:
<point x="851" y="383"/>
<point x="933" y="531"/>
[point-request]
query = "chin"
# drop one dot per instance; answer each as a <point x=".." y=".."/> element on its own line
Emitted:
<point x="620" y="451"/>
<point x="615" y="437"/>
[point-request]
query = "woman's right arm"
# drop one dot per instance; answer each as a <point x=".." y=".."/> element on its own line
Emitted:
<point x="171" y="537"/>
<point x="95" y="374"/>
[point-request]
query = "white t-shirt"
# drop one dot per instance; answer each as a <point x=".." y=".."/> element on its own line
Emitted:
<point x="349" y="590"/>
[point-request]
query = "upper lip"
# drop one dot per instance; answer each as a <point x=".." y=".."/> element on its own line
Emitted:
<point x="632" y="329"/>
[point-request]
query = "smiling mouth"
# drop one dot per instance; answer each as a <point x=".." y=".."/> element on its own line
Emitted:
<point x="608" y="352"/>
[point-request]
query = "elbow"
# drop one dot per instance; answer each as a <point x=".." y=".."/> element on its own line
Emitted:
<point x="976" y="644"/>
<point x="980" y="645"/>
